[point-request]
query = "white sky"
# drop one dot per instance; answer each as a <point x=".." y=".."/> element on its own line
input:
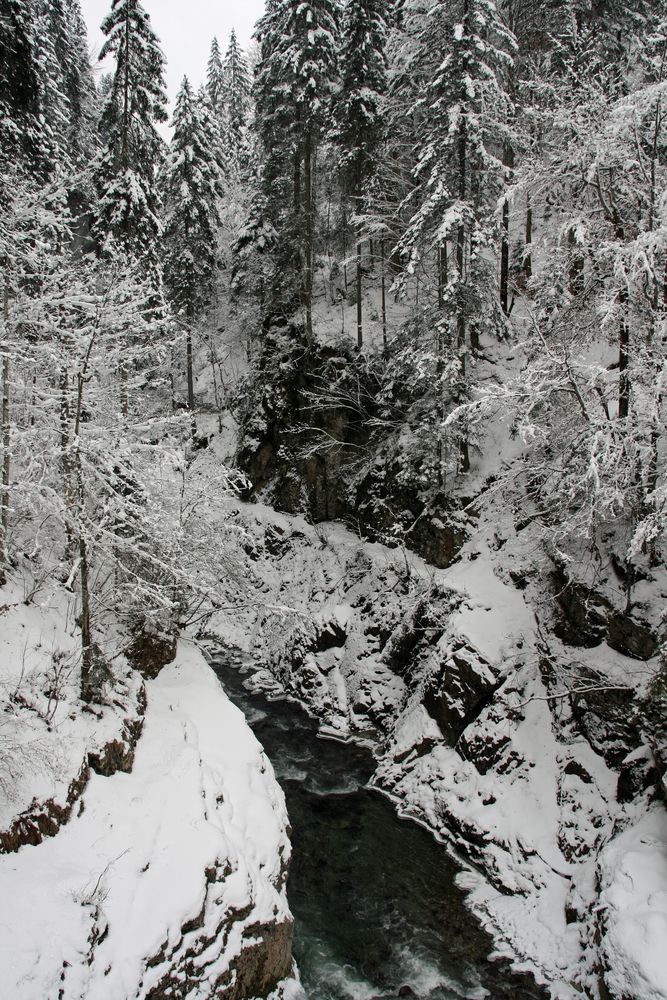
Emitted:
<point x="185" y="29"/>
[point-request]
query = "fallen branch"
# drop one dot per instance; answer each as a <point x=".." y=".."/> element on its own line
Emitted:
<point x="572" y="691"/>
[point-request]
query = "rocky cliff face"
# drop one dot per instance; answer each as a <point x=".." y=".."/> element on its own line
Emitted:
<point x="307" y="436"/>
<point x="510" y="711"/>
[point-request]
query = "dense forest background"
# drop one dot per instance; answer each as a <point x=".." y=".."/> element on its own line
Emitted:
<point x="408" y="224"/>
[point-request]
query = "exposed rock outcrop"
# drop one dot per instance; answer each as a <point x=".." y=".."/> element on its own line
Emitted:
<point x="150" y="652"/>
<point x="45" y="819"/>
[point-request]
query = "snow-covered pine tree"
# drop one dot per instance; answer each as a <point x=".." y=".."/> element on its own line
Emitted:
<point x="79" y="87"/>
<point x="128" y="210"/>
<point x="53" y="102"/>
<point x="466" y="110"/>
<point x="236" y="78"/>
<point x="66" y="87"/>
<point x="21" y="153"/>
<point x="215" y="83"/>
<point x="193" y="184"/>
<point x="20" y="129"/>
<point x="359" y="111"/>
<point x="389" y="210"/>
<point x="308" y="57"/>
<point x="211" y="128"/>
<point x="276" y="201"/>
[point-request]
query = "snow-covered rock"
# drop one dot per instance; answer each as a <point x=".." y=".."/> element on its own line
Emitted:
<point x="169" y="880"/>
<point x="488" y="727"/>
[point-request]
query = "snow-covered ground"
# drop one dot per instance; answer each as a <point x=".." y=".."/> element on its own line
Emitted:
<point x="171" y="876"/>
<point x="45" y="740"/>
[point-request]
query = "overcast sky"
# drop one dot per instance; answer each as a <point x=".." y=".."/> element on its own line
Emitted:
<point x="185" y="29"/>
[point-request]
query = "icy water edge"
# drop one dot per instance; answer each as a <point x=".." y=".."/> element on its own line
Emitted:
<point x="377" y="912"/>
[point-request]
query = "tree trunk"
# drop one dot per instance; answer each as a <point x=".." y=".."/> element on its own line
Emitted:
<point x="191" y="384"/>
<point x="189" y="372"/>
<point x="66" y="461"/>
<point x="360" y="331"/>
<point x="384" y="300"/>
<point x="308" y="247"/>
<point x="6" y="442"/>
<point x="528" y="258"/>
<point x="87" y="679"/>
<point x="464" y="453"/>
<point x="508" y="161"/>
<point x="442" y="284"/>
<point x="327" y="237"/>
<point x="345" y="246"/>
<point x="297" y="182"/>
<point x="359" y="193"/>
<point x="443" y="274"/>
<point x="623" y="360"/>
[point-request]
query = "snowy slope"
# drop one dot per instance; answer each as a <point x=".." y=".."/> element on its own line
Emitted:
<point x="45" y="739"/>
<point x="166" y="874"/>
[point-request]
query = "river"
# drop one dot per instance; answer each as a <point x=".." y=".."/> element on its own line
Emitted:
<point x="377" y="912"/>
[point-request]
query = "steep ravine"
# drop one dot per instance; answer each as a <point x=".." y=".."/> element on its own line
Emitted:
<point x="376" y="905"/>
<point x="458" y="675"/>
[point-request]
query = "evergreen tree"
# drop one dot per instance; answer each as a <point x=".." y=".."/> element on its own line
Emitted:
<point x="126" y="174"/>
<point x="210" y="127"/>
<point x="465" y="126"/>
<point x="237" y="96"/>
<point x="215" y="82"/>
<point x="193" y="183"/>
<point x="79" y="86"/>
<point x="276" y="203"/>
<point x="295" y="81"/>
<point x="19" y="89"/>
<point x="65" y="85"/>
<point x="359" y="105"/>
<point x="53" y="103"/>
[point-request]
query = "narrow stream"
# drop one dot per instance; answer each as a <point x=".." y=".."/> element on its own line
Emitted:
<point x="377" y="913"/>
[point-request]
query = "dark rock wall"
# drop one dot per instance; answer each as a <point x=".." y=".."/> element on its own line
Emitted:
<point x="321" y="455"/>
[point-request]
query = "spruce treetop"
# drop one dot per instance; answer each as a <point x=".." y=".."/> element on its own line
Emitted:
<point x="215" y="82"/>
<point x="126" y="174"/>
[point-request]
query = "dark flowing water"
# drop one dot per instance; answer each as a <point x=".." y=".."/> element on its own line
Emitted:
<point x="376" y="909"/>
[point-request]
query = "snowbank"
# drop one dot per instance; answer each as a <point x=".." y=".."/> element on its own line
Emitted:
<point x="168" y="875"/>
<point x="633" y="900"/>
<point x="46" y="741"/>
